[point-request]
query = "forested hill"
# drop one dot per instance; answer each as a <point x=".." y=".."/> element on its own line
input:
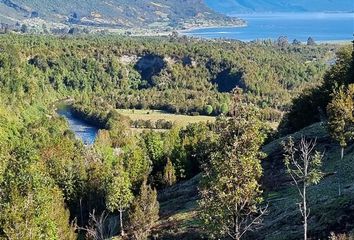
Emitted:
<point x="242" y="6"/>
<point x="113" y="13"/>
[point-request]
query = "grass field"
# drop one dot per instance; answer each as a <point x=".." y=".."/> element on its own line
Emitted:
<point x="154" y="115"/>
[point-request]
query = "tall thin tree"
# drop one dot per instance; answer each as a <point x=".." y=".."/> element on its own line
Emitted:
<point x="303" y="165"/>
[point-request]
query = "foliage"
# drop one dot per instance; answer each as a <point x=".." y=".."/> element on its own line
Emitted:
<point x="310" y="107"/>
<point x="144" y="212"/>
<point x="169" y="175"/>
<point x="31" y="206"/>
<point x="45" y="170"/>
<point x="119" y="194"/>
<point x="76" y="67"/>
<point x="340" y="116"/>
<point x="230" y="187"/>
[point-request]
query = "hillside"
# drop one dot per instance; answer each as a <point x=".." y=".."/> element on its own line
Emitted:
<point x="113" y="13"/>
<point x="329" y="212"/>
<point x="145" y="183"/>
<point x="242" y="6"/>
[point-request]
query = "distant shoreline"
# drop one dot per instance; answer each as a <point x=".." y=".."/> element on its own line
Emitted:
<point x="210" y="27"/>
<point x="259" y="26"/>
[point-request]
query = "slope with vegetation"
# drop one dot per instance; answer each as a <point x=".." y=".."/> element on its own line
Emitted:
<point x="54" y="187"/>
<point x="125" y="14"/>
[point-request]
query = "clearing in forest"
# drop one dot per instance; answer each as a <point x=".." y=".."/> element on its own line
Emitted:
<point x="155" y="115"/>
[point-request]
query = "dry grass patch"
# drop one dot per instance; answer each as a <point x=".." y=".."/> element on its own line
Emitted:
<point x="155" y="115"/>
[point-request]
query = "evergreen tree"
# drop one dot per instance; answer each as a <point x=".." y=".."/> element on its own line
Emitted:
<point x="311" y="41"/>
<point x="144" y="212"/>
<point x="169" y="174"/>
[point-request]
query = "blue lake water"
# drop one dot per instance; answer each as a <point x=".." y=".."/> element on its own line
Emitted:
<point x="320" y="26"/>
<point x="83" y="131"/>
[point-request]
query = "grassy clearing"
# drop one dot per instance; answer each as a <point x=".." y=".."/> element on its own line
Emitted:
<point x="154" y="115"/>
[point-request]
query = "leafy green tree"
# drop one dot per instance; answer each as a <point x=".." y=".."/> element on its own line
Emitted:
<point x="31" y="206"/>
<point x="144" y="212"/>
<point x="198" y="142"/>
<point x="303" y="164"/>
<point x="119" y="194"/>
<point x="154" y="147"/>
<point x="340" y="117"/>
<point x="208" y="109"/>
<point x="230" y="189"/>
<point x="310" y="107"/>
<point x="169" y="174"/>
<point x="136" y="162"/>
<point x="224" y="109"/>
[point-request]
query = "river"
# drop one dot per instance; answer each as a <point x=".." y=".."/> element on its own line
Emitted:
<point x="323" y="27"/>
<point x="83" y="131"/>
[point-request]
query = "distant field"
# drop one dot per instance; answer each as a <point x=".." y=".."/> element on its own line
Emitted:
<point x="154" y="115"/>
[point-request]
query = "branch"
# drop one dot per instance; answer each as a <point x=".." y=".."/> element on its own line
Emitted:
<point x="255" y="220"/>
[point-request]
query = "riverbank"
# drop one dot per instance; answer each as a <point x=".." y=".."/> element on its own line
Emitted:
<point x="82" y="130"/>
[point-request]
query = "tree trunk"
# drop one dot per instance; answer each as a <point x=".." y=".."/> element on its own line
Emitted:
<point x="81" y="216"/>
<point x="339" y="186"/>
<point x="305" y="211"/>
<point x="121" y="222"/>
<point x="236" y="222"/>
<point x="304" y="200"/>
<point x="339" y="180"/>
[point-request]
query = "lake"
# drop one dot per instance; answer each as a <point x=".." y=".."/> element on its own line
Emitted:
<point x="323" y="27"/>
<point x="82" y="130"/>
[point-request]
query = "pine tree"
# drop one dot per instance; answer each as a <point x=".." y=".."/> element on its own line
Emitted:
<point x="169" y="174"/>
<point x="144" y="212"/>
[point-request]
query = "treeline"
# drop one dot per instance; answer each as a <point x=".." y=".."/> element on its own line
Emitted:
<point x="102" y="116"/>
<point x="179" y="76"/>
<point x="148" y="124"/>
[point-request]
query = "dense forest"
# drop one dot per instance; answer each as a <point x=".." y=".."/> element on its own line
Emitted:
<point x="52" y="186"/>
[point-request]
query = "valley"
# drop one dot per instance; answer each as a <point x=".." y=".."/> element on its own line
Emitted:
<point x="161" y="137"/>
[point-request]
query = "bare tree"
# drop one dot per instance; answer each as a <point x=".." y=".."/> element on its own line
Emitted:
<point x="100" y="227"/>
<point x="303" y="165"/>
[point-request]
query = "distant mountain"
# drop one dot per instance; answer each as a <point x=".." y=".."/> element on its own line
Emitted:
<point x="115" y="13"/>
<point x="251" y="6"/>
